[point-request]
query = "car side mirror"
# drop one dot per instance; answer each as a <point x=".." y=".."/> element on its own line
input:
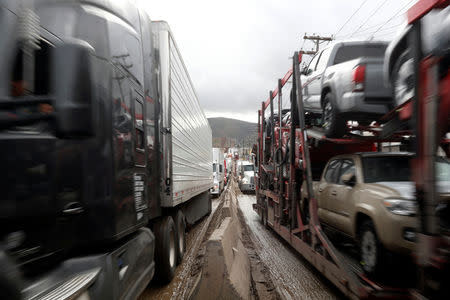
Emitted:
<point x="306" y="71"/>
<point x="73" y="87"/>
<point x="349" y="179"/>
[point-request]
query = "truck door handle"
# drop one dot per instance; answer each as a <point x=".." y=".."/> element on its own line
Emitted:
<point x="333" y="193"/>
<point x="73" y="208"/>
<point x="320" y="190"/>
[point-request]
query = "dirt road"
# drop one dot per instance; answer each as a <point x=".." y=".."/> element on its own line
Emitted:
<point x="293" y="276"/>
<point x="179" y="287"/>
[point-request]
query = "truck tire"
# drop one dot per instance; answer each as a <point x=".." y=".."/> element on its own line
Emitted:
<point x="402" y="79"/>
<point x="333" y="123"/>
<point x="371" y="250"/>
<point x="165" y="250"/>
<point x="180" y="225"/>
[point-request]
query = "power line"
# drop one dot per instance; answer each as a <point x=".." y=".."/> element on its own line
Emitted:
<point x="391" y="18"/>
<point x="354" y="13"/>
<point x="373" y="13"/>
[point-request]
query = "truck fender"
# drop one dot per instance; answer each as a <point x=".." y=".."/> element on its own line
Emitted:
<point x="363" y="211"/>
<point x="326" y="88"/>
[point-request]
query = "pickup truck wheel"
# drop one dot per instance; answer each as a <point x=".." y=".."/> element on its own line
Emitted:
<point x="180" y="225"/>
<point x="403" y="79"/>
<point x="333" y="124"/>
<point x="371" y="250"/>
<point x="165" y="250"/>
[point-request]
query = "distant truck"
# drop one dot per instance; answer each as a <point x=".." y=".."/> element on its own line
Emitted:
<point x="344" y="82"/>
<point x="247" y="176"/>
<point x="218" y="171"/>
<point x="112" y="149"/>
<point x="370" y="198"/>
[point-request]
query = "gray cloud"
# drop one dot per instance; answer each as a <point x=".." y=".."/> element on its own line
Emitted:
<point x="236" y="50"/>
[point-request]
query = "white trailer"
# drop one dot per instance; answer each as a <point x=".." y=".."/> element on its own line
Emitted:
<point x="186" y="150"/>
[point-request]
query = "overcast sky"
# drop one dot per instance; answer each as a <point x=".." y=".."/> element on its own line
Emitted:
<point x="236" y="50"/>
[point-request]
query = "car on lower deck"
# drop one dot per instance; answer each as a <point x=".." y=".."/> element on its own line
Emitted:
<point x="370" y="198"/>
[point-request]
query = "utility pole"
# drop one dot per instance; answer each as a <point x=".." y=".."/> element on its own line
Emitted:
<point x="316" y="39"/>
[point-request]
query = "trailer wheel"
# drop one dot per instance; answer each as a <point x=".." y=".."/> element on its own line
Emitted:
<point x="165" y="250"/>
<point x="371" y="250"/>
<point x="180" y="225"/>
<point x="333" y="124"/>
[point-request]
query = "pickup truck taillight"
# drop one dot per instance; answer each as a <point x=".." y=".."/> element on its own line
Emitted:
<point x="359" y="74"/>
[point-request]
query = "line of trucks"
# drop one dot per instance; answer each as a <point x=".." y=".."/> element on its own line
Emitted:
<point x="376" y="224"/>
<point x="106" y="152"/>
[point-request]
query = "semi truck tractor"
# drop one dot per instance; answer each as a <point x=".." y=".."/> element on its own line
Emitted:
<point x="106" y="152"/>
<point x="218" y="171"/>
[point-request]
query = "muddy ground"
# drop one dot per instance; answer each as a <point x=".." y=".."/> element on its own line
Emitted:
<point x="278" y="272"/>
<point x="292" y="275"/>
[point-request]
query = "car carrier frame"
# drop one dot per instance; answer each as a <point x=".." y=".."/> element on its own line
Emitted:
<point x="278" y="204"/>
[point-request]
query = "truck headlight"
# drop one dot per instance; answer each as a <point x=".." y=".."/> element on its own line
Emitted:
<point x="401" y="207"/>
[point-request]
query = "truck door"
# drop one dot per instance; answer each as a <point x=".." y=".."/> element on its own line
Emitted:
<point x="140" y="158"/>
<point x="342" y="205"/>
<point x="307" y="81"/>
<point x="315" y="85"/>
<point x="327" y="191"/>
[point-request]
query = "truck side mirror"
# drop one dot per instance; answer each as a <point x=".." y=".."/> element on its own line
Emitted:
<point x="73" y="88"/>
<point x="305" y="71"/>
<point x="349" y="179"/>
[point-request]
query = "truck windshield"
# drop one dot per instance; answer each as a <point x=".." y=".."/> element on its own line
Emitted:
<point x="247" y="168"/>
<point x="443" y="170"/>
<point x="386" y="168"/>
<point x="346" y="53"/>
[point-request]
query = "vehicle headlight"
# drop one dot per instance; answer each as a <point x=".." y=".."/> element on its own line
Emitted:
<point x="401" y="207"/>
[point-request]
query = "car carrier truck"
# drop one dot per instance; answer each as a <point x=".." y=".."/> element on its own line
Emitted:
<point x="106" y="152"/>
<point x="292" y="154"/>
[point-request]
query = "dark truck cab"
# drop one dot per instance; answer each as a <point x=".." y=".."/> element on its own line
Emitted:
<point x="77" y="156"/>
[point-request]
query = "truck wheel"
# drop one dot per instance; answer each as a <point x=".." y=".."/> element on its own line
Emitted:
<point x="165" y="250"/>
<point x="403" y="79"/>
<point x="333" y="124"/>
<point x="180" y="225"/>
<point x="371" y="250"/>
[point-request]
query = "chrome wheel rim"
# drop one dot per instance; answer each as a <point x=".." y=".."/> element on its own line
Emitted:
<point x="369" y="250"/>
<point x="327" y="115"/>
<point x="172" y="249"/>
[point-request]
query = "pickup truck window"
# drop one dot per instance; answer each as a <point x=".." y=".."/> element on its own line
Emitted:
<point x="386" y="168"/>
<point x="346" y="53"/>
<point x="313" y="62"/>
<point x="332" y="171"/>
<point x="347" y="167"/>
<point x="323" y="60"/>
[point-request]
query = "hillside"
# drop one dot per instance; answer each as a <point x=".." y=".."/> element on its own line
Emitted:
<point x="238" y="130"/>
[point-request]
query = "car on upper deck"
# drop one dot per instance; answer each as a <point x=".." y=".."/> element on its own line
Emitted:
<point x="344" y="82"/>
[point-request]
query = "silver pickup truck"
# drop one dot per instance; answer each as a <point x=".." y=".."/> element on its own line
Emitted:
<point x="344" y="82"/>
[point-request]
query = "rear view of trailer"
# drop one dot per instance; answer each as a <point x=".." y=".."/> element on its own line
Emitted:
<point x="187" y="137"/>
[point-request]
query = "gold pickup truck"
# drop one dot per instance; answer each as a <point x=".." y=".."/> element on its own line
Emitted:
<point x="370" y="198"/>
